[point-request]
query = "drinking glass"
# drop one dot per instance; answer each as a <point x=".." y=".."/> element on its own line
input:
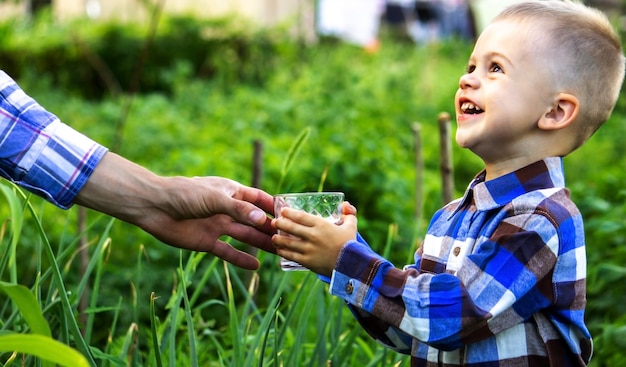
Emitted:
<point x="323" y="204"/>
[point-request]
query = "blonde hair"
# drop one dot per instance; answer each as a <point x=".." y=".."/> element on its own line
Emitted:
<point x="588" y="57"/>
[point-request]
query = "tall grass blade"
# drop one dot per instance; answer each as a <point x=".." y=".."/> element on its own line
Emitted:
<point x="342" y="351"/>
<point x="332" y="329"/>
<point x="320" y="186"/>
<point x="108" y="358"/>
<point x="130" y="343"/>
<point x="205" y="277"/>
<point x="238" y="348"/>
<point x="294" y="149"/>
<point x="44" y="348"/>
<point x="17" y="218"/>
<point x="295" y="307"/>
<point x="68" y="310"/>
<point x="113" y="328"/>
<point x="193" y="354"/>
<point x="170" y="332"/>
<point x="96" y="261"/>
<point x="153" y="329"/>
<point x="265" y="327"/>
<point x="300" y="333"/>
<point x="268" y="328"/>
<point x="391" y="232"/>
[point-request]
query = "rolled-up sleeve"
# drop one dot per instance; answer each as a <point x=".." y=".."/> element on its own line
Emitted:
<point x="40" y="153"/>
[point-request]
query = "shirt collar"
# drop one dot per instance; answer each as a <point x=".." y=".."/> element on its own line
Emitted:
<point x="543" y="174"/>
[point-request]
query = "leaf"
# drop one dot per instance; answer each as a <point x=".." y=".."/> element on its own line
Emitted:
<point x="28" y="306"/>
<point x="42" y="347"/>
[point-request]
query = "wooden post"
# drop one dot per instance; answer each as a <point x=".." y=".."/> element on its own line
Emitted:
<point x="257" y="164"/>
<point x="419" y="171"/>
<point x="445" y="157"/>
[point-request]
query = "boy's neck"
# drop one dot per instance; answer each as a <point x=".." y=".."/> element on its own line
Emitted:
<point x="497" y="169"/>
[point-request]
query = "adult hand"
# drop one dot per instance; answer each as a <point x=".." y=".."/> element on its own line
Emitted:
<point x="189" y="213"/>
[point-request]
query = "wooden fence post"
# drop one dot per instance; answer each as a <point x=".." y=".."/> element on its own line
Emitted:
<point x="257" y="164"/>
<point x="445" y="157"/>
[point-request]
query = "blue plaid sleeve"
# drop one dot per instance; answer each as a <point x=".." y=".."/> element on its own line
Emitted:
<point x="39" y="152"/>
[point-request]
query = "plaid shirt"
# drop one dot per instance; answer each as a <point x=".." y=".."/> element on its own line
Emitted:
<point x="39" y="152"/>
<point x="498" y="281"/>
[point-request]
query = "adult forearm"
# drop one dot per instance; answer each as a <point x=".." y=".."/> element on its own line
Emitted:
<point x="122" y="189"/>
<point x="184" y="212"/>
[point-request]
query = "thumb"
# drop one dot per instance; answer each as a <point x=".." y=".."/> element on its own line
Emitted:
<point x="245" y="212"/>
<point x="350" y="220"/>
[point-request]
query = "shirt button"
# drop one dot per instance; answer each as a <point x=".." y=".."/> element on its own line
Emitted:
<point x="349" y="288"/>
<point x="456" y="251"/>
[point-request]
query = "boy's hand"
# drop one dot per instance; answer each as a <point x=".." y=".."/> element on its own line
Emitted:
<point x="313" y="241"/>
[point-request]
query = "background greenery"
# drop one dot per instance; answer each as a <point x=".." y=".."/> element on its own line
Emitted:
<point x="192" y="99"/>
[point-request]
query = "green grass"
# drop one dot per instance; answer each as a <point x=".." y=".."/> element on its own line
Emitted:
<point x="300" y="324"/>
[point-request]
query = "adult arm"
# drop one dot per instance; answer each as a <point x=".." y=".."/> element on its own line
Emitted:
<point x="45" y="156"/>
<point x="189" y="213"/>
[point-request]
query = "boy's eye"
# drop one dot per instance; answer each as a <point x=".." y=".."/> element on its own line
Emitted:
<point x="470" y="68"/>
<point x="495" y="68"/>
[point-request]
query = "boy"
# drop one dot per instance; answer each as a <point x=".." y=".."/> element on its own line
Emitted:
<point x="499" y="279"/>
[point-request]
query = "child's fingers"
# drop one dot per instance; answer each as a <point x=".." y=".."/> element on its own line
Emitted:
<point x="288" y="226"/>
<point x="299" y="217"/>
<point x="350" y="220"/>
<point x="287" y="246"/>
<point x="347" y="208"/>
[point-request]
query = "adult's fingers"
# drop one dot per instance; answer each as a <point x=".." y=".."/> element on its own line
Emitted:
<point x="234" y="256"/>
<point x="247" y="205"/>
<point x="254" y="236"/>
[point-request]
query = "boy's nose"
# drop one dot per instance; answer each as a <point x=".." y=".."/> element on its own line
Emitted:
<point x="468" y="81"/>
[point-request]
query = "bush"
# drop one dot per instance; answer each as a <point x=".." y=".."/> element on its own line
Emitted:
<point x="112" y="58"/>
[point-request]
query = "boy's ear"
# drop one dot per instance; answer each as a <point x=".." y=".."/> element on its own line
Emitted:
<point x="562" y="114"/>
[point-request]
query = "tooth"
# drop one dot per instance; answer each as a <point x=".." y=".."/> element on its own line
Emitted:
<point x="468" y="106"/>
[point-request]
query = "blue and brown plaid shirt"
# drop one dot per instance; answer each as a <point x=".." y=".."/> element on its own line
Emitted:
<point x="38" y="151"/>
<point x="498" y="281"/>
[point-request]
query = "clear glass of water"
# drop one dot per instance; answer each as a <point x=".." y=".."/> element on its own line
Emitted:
<point x="323" y="204"/>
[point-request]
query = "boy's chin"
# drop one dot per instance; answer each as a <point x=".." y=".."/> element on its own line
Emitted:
<point x="463" y="141"/>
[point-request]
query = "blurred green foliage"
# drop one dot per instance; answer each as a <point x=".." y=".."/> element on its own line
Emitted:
<point x="209" y="89"/>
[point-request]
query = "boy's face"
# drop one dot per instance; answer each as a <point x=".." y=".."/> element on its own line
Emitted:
<point x="506" y="89"/>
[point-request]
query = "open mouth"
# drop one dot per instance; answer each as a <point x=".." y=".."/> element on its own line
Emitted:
<point x="470" y="108"/>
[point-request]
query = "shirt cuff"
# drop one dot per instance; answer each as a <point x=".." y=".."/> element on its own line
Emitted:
<point x="61" y="165"/>
<point x="326" y="279"/>
<point x="355" y="274"/>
